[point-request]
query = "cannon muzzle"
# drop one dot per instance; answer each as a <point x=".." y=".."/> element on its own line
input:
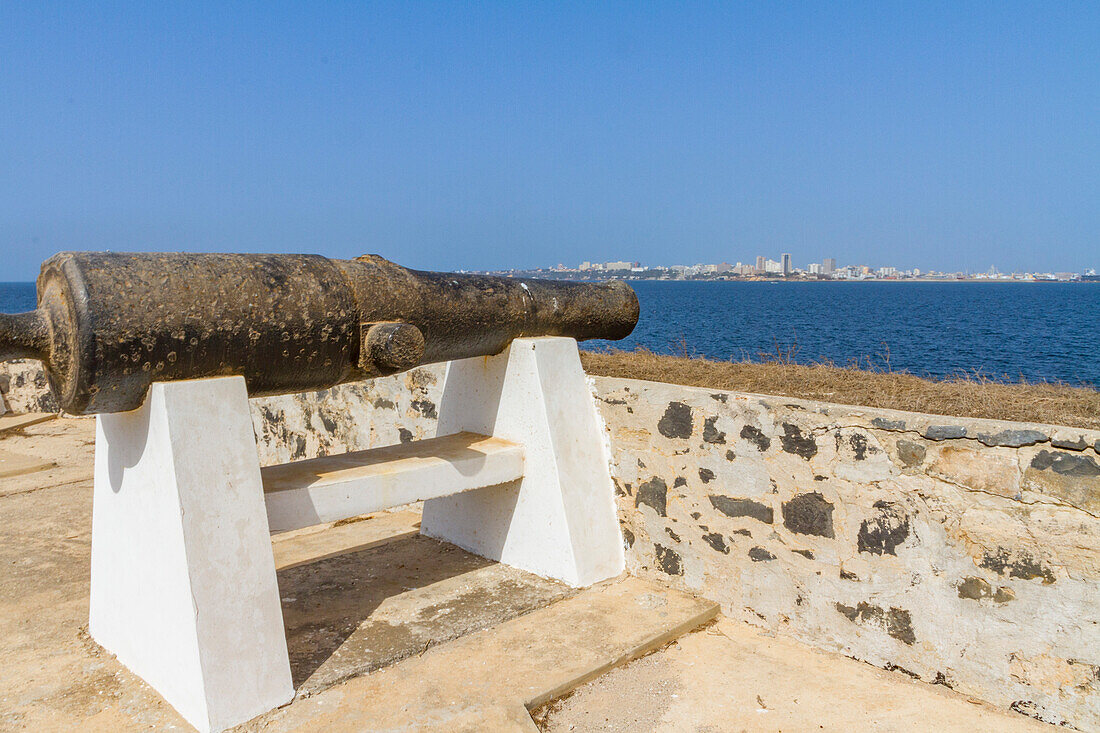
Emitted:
<point x="109" y="325"/>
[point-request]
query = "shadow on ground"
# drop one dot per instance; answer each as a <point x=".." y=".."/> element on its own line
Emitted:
<point x="356" y="612"/>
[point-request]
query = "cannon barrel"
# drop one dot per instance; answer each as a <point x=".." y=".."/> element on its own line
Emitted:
<point x="110" y="324"/>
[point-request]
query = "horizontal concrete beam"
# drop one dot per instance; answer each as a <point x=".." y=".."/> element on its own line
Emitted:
<point x="331" y="488"/>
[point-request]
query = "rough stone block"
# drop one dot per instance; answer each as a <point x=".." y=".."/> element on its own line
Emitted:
<point x="979" y="470"/>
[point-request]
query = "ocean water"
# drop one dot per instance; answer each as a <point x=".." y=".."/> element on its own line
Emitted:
<point x="1039" y="331"/>
<point x="16" y="297"/>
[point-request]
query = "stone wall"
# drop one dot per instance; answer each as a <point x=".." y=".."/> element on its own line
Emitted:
<point x="23" y="387"/>
<point x="292" y="427"/>
<point x="348" y="417"/>
<point x="958" y="551"/>
<point x="961" y="552"/>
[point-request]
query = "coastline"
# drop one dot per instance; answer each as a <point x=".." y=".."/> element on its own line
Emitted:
<point x="551" y="276"/>
<point x="974" y="281"/>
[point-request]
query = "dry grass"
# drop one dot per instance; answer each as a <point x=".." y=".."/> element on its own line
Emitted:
<point x="963" y="396"/>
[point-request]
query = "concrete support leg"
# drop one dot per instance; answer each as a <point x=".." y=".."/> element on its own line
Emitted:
<point x="559" y="520"/>
<point x="183" y="587"/>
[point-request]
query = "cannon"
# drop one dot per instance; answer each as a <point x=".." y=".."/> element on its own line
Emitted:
<point x="108" y="325"/>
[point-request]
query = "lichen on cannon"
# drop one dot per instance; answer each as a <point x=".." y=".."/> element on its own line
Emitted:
<point x="108" y="325"/>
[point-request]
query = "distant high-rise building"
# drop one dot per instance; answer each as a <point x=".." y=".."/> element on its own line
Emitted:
<point x="772" y="267"/>
<point x="760" y="263"/>
<point x="828" y="266"/>
<point x="814" y="268"/>
<point x="787" y="269"/>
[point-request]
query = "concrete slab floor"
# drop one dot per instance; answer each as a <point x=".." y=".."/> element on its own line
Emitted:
<point x="486" y="681"/>
<point x="379" y="602"/>
<point x="731" y="677"/>
<point x="356" y="596"/>
<point x="17" y="464"/>
<point x="66" y="442"/>
<point x="24" y="420"/>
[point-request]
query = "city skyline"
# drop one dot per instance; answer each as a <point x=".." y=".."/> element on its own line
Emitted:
<point x="765" y="267"/>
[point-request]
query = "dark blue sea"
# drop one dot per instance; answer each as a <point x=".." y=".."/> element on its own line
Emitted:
<point x="1039" y="331"/>
<point x="16" y="297"/>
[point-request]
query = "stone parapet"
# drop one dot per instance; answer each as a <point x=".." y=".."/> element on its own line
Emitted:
<point x="962" y="552"/>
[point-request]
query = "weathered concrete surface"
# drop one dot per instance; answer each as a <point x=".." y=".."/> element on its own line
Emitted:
<point x="483" y="681"/>
<point x="731" y="677"/>
<point x="964" y="552"/>
<point x="23" y="420"/>
<point x="355" y="596"/>
<point x="54" y="677"/>
<point x="68" y="443"/>
<point x="17" y="464"/>
<point x="310" y="544"/>
<point x="376" y="604"/>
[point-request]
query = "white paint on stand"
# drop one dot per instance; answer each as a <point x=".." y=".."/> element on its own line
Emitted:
<point x="559" y="520"/>
<point x="331" y="488"/>
<point x="183" y="587"/>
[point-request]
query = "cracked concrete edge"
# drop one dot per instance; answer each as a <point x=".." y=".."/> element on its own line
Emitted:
<point x="497" y="718"/>
<point x="705" y="615"/>
<point x="512" y="719"/>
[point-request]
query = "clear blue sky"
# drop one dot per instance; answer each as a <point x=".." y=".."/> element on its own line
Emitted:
<point x="953" y="135"/>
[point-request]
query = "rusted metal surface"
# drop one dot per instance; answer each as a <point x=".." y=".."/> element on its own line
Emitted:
<point x="108" y="325"/>
<point x="390" y="346"/>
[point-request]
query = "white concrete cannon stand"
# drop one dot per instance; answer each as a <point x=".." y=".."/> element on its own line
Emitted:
<point x="559" y="521"/>
<point x="183" y="585"/>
